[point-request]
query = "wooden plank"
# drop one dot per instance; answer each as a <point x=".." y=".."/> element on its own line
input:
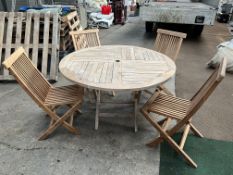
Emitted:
<point x="40" y="46"/>
<point x="45" y="43"/>
<point x="55" y="43"/>
<point x="28" y="32"/>
<point x="36" y="30"/>
<point x="98" y="73"/>
<point x="109" y="73"/>
<point x="9" y="38"/>
<point x="87" y="71"/>
<point x="19" y="29"/>
<point x="104" y="73"/>
<point x="92" y="72"/>
<point x="2" y="31"/>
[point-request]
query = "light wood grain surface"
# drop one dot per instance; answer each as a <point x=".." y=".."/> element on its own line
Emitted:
<point x="118" y="67"/>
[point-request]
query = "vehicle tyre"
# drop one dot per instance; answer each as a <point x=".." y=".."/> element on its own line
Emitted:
<point x="196" y="30"/>
<point x="149" y="26"/>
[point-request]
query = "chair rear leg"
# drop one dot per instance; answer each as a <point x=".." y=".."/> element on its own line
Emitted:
<point x="61" y="121"/>
<point x="196" y="131"/>
<point x="165" y="125"/>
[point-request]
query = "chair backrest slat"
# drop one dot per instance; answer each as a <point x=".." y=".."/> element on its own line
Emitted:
<point x="27" y="75"/>
<point x="169" y="42"/>
<point x="85" y="38"/>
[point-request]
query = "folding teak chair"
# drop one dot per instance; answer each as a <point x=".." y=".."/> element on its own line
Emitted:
<point x="47" y="97"/>
<point x="181" y="110"/>
<point x="169" y="42"/>
<point x="85" y="38"/>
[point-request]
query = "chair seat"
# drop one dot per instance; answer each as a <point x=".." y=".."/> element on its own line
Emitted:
<point x="170" y="106"/>
<point x="64" y="95"/>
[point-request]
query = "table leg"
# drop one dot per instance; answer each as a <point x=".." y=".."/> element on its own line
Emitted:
<point x="97" y="109"/>
<point x="137" y="96"/>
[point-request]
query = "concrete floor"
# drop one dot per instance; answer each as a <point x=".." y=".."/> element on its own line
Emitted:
<point x="114" y="148"/>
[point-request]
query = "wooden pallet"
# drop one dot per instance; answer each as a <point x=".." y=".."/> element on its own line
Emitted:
<point x="73" y="21"/>
<point x="37" y="33"/>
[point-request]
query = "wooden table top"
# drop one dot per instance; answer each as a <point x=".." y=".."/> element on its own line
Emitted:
<point x="117" y="67"/>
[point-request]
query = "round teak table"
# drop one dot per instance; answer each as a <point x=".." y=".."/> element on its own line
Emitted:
<point x="117" y="68"/>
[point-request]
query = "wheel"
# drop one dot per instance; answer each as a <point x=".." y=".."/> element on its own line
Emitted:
<point x="149" y="26"/>
<point x="196" y="30"/>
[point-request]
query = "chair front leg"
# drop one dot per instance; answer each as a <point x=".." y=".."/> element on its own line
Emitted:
<point x="61" y="121"/>
<point x="147" y="116"/>
<point x="167" y="137"/>
<point x="196" y="131"/>
<point x="165" y="125"/>
<point x="175" y="146"/>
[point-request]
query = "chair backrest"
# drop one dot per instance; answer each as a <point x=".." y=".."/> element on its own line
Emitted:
<point x="169" y="42"/>
<point x="208" y="87"/>
<point x="27" y="75"/>
<point x="85" y="38"/>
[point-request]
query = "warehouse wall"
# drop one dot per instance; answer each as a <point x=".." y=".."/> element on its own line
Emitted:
<point x="3" y="5"/>
<point x="21" y="3"/>
<point x="6" y="5"/>
<point x="18" y="4"/>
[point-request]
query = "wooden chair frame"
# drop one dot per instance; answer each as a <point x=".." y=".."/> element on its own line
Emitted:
<point x="85" y="38"/>
<point x="47" y="97"/>
<point x="181" y="110"/>
<point x="169" y="42"/>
